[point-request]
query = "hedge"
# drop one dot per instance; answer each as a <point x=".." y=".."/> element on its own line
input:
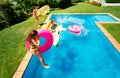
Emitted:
<point x="112" y="1"/>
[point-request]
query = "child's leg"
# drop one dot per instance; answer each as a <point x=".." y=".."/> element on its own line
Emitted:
<point x="41" y="59"/>
<point x="37" y="21"/>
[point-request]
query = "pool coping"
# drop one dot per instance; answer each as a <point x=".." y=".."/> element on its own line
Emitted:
<point x="23" y="65"/>
<point x="107" y="34"/>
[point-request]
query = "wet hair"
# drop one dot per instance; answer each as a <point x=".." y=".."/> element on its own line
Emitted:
<point x="52" y="21"/>
<point x="32" y="35"/>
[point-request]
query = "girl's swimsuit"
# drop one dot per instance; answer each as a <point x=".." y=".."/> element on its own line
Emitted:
<point x="33" y="48"/>
<point x="35" y="13"/>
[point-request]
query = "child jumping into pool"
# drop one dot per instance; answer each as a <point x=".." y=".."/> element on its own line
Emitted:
<point x="35" y="14"/>
<point x="34" y="41"/>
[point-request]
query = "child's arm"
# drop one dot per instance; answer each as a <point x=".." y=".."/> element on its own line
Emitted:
<point x="35" y="43"/>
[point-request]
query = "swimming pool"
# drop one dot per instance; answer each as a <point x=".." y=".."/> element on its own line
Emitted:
<point x="88" y="55"/>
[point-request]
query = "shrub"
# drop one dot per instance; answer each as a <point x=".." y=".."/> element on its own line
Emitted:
<point x="13" y="14"/>
<point x="96" y="3"/>
<point x="75" y="1"/>
<point x="113" y="1"/>
<point x="65" y="3"/>
<point x="3" y="24"/>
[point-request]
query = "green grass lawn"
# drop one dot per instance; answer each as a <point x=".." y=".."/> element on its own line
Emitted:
<point x="114" y="30"/>
<point x="12" y="39"/>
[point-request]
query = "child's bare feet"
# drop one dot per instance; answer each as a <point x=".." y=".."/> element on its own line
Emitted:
<point x="46" y="66"/>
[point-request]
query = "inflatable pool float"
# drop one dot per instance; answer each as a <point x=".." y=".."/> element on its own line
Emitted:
<point x="44" y="10"/>
<point x="56" y="34"/>
<point x="48" y="25"/>
<point x="75" y="29"/>
<point x="49" y="40"/>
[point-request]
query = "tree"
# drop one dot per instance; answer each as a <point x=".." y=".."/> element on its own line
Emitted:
<point x="13" y="14"/>
<point x="65" y="3"/>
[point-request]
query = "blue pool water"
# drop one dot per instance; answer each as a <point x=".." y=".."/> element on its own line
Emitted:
<point x="88" y="55"/>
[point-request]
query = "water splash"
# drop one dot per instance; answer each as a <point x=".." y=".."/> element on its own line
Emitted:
<point x="75" y="20"/>
<point x="62" y="20"/>
<point x="71" y="19"/>
<point x="84" y="30"/>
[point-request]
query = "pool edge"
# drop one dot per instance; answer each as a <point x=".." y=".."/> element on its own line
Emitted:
<point x="108" y="35"/>
<point x="21" y="68"/>
<point x="23" y="65"/>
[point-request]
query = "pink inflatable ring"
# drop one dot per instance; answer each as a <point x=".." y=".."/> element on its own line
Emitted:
<point x="75" y="29"/>
<point x="49" y="40"/>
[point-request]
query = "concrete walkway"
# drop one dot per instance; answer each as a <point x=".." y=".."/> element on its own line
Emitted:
<point x="111" y="4"/>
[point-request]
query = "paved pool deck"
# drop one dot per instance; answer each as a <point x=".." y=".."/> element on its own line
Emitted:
<point x="23" y="65"/>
